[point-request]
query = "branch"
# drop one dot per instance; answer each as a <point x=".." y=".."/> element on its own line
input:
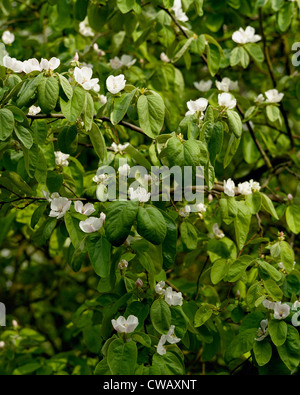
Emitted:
<point x="104" y="119"/>
<point x="272" y="75"/>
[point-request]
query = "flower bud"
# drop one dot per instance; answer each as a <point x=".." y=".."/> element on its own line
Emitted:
<point x="123" y="264"/>
<point x="15" y="324"/>
<point x="139" y="283"/>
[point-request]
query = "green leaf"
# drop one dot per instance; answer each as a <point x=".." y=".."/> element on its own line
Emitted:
<point x="151" y="112"/>
<point x="242" y="224"/>
<point x="202" y="315"/>
<point x="182" y="50"/>
<point x="219" y="270"/>
<point x="68" y="140"/>
<point x="65" y="84"/>
<point x="213" y="59"/>
<point x="273" y="290"/>
<point x="160" y="315"/>
<point x="125" y="5"/>
<point x="273" y="113"/>
<point x="48" y="92"/>
<point x="151" y="224"/>
<point x="72" y="225"/>
<point x="122" y="357"/>
<point x="6" y="123"/>
<point x="234" y="123"/>
<point x="24" y="135"/>
<point x="98" y="142"/>
<point x="271" y="270"/>
<point x="89" y="110"/>
<point x="289" y="352"/>
<point x="119" y="220"/>
<point x="268" y="205"/>
<point x="28" y="90"/>
<point x="99" y="250"/>
<point x="232" y="148"/>
<point x="292" y="216"/>
<point x="262" y="352"/>
<point x="189" y="235"/>
<point x="285" y="16"/>
<point x="121" y="105"/>
<point x="73" y="108"/>
<point x="255" y="52"/>
<point x="238" y="268"/>
<point x="239" y="56"/>
<point x="278" y="330"/>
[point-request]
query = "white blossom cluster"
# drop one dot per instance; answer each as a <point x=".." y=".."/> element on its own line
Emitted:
<point x="30" y="65"/>
<point x="171" y="297"/>
<point x="272" y="96"/>
<point x="245" y="188"/>
<point x="170" y="338"/>
<point x="61" y="205"/>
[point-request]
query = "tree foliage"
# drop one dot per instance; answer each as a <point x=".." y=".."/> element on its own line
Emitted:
<point x="147" y="287"/>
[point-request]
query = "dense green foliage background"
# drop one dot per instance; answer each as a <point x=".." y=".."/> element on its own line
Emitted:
<point x="63" y="286"/>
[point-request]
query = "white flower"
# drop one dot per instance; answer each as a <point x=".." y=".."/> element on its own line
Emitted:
<point x="245" y="188"/>
<point x="115" y="84"/>
<point x="281" y="265"/>
<point x="178" y="11"/>
<point x="260" y="98"/>
<point x="255" y="186"/>
<point x="201" y="208"/>
<point x="295" y="319"/>
<point x="92" y="224"/>
<point x="268" y="305"/>
<point x="2" y="344"/>
<point x="122" y="325"/>
<point x="262" y="331"/>
<point x="59" y="207"/>
<point x="139" y="194"/>
<point x="195" y="106"/>
<point x="86" y="209"/>
<point x="85" y="29"/>
<point x="173" y="298"/>
<point x="99" y="179"/>
<point x="15" y="324"/>
<point x="273" y="96"/>
<point x="123" y="264"/>
<point x="217" y="231"/>
<point x="227" y="85"/>
<point x="246" y="36"/>
<point x="31" y="65"/>
<point x="281" y="311"/>
<point x="170" y="338"/>
<point x="159" y="288"/>
<point x="296" y="305"/>
<point x="119" y="147"/>
<point x="33" y="110"/>
<point x="84" y="78"/>
<point x="13" y="64"/>
<point x="124" y="170"/>
<point x="54" y="195"/>
<point x="226" y="100"/>
<point x="103" y="99"/>
<point x="203" y="86"/>
<point x="164" y="58"/>
<point x="61" y="159"/>
<point x="49" y="65"/>
<point x="8" y="37"/>
<point x="126" y="60"/>
<point x="185" y="211"/>
<point x="229" y="187"/>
